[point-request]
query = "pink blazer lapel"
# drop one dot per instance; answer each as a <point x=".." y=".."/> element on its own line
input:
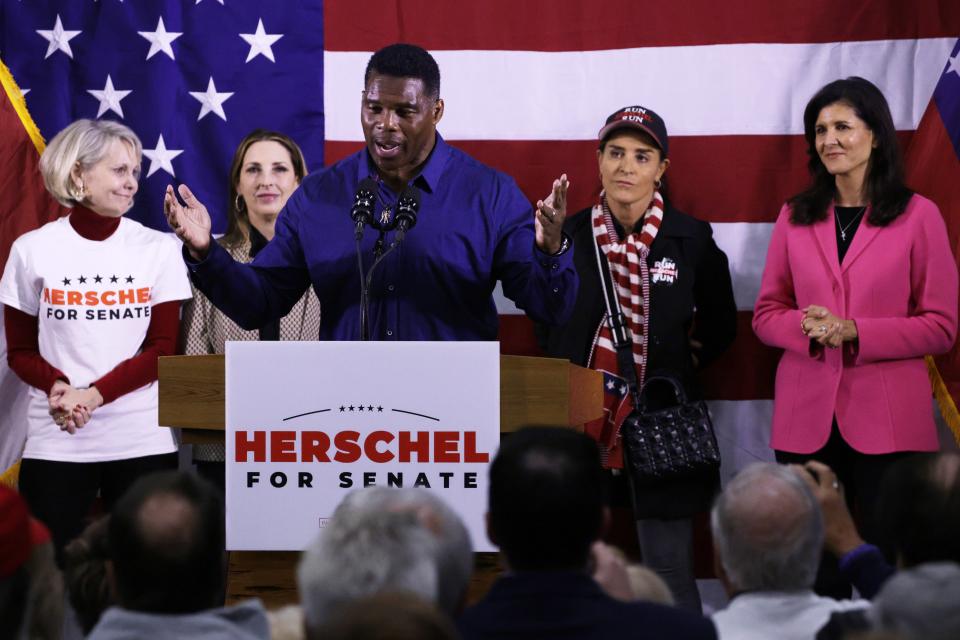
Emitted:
<point x="863" y="237"/>
<point x="827" y="241"/>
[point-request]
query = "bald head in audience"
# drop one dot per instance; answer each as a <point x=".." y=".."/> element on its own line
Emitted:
<point x="166" y="543"/>
<point x="768" y="531"/>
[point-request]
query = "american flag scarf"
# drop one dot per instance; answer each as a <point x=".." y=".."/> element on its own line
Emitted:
<point x="627" y="260"/>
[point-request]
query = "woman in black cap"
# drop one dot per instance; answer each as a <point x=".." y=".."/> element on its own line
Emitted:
<point x="674" y="288"/>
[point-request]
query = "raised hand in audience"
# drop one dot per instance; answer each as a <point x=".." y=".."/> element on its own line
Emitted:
<point x="840" y="532"/>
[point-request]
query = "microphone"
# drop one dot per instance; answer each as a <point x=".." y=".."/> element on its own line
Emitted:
<point x="407" y="207"/>
<point x="363" y="201"/>
<point x="362" y="214"/>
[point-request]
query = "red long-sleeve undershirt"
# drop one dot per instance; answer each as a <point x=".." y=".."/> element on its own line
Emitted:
<point x="22" y="331"/>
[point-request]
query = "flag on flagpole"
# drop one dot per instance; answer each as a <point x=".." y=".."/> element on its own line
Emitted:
<point x="24" y="205"/>
<point x="933" y="169"/>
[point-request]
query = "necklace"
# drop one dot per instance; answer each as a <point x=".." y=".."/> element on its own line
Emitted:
<point x="843" y="229"/>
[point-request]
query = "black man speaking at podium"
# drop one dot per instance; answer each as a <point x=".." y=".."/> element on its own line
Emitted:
<point x="409" y="233"/>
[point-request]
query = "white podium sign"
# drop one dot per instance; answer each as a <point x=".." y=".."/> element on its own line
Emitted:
<point x="308" y="422"/>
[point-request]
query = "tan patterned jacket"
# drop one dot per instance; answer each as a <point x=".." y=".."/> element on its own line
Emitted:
<point x="205" y="329"/>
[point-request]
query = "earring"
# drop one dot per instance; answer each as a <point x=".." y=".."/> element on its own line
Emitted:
<point x="78" y="193"/>
<point x="239" y="203"/>
<point x="658" y="183"/>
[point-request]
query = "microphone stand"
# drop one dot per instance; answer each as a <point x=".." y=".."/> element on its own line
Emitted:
<point x="407" y="206"/>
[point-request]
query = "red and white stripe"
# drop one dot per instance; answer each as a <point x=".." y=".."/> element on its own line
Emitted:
<point x="528" y="85"/>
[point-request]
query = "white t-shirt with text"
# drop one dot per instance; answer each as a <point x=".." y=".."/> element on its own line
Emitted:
<point x="93" y="301"/>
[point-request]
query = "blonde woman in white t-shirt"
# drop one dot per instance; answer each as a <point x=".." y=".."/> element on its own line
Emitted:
<point x="90" y="301"/>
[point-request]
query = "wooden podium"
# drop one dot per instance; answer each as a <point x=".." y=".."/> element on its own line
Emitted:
<point x="533" y="391"/>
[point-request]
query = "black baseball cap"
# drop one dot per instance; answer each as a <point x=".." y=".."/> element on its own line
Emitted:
<point x="637" y="117"/>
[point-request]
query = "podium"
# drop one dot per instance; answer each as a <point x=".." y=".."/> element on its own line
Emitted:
<point x="533" y="391"/>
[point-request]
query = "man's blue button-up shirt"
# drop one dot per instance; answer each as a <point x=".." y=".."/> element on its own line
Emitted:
<point x="474" y="227"/>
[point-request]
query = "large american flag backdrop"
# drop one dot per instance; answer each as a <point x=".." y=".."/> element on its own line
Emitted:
<point x="526" y="84"/>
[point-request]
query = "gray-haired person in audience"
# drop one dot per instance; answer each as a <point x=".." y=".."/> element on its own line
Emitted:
<point x="921" y="603"/>
<point x="768" y="534"/>
<point x="382" y="539"/>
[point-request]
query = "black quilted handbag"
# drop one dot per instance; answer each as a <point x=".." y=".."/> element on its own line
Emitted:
<point x="662" y="443"/>
<point x="672" y="442"/>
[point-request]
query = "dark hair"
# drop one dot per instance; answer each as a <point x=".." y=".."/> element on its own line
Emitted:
<point x="171" y="561"/>
<point x="884" y="182"/>
<point x="406" y="61"/>
<point x="918" y="511"/>
<point x="238" y="222"/>
<point x="85" y="573"/>
<point x="546" y="498"/>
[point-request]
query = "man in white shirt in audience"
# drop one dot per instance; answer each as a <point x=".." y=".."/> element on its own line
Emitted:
<point x="768" y="534"/>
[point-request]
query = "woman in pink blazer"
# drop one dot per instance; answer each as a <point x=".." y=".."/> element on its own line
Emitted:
<point x="860" y="284"/>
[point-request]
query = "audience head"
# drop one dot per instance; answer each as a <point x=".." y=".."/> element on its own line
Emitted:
<point x="919" y="510"/>
<point x="85" y="573"/>
<point x="267" y="168"/>
<point x="921" y="603"/>
<point x="387" y="616"/>
<point x="382" y="539"/>
<point x="95" y="163"/>
<point x="546" y="501"/>
<point x="166" y="541"/>
<point x="768" y="530"/>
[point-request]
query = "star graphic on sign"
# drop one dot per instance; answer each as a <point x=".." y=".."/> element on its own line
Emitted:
<point x="953" y="64"/>
<point x="610" y="384"/>
<point x="370" y="407"/>
<point x="109" y="98"/>
<point x="66" y="281"/>
<point x="129" y="279"/>
<point x="97" y="278"/>
<point x="360" y="408"/>
<point x="380" y="409"/>
<point x="351" y="407"/>
<point x="82" y="280"/>
<point x="260" y="43"/>
<point x="211" y="100"/>
<point x="623" y="388"/>
<point x="342" y="409"/>
<point x="160" y="40"/>
<point x="58" y="38"/>
<point x="161" y="158"/>
<point x="24" y="92"/>
<point x="113" y="278"/>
